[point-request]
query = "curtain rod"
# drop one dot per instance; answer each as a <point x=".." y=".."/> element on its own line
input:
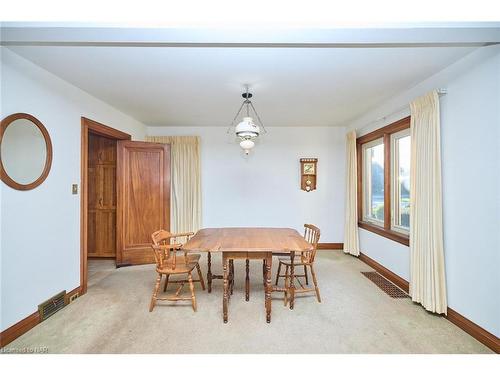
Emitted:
<point x="440" y="92"/>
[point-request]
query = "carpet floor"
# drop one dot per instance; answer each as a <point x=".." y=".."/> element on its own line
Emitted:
<point x="355" y="316"/>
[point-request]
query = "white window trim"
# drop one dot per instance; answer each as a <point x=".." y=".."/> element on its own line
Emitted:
<point x="395" y="186"/>
<point x="367" y="186"/>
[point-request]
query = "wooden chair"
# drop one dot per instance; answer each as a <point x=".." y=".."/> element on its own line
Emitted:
<point x="306" y="259"/>
<point x="164" y="238"/>
<point x="278" y="254"/>
<point x="168" y="263"/>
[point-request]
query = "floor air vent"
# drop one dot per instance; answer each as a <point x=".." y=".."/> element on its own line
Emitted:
<point x="52" y="305"/>
<point x="387" y="287"/>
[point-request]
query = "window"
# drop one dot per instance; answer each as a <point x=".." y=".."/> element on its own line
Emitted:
<point x="373" y="175"/>
<point x="384" y="181"/>
<point x="400" y="185"/>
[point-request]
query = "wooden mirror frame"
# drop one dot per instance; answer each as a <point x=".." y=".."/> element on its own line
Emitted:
<point x="48" y="146"/>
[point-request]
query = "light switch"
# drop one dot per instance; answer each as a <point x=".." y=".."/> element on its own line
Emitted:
<point x="74" y="189"/>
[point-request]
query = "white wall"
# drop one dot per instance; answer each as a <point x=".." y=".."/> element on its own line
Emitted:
<point x="264" y="190"/>
<point x="40" y="228"/>
<point x="470" y="141"/>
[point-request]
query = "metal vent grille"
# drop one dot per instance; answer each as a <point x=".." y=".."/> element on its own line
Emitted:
<point x="385" y="285"/>
<point x="52" y="305"/>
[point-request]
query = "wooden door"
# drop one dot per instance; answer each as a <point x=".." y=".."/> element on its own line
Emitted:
<point x="101" y="201"/>
<point x="143" y="205"/>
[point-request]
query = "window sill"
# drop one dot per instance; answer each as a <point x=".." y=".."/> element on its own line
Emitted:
<point x="390" y="234"/>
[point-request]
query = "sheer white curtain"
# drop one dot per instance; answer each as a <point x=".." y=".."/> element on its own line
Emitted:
<point x="185" y="215"/>
<point x="427" y="267"/>
<point x="351" y="240"/>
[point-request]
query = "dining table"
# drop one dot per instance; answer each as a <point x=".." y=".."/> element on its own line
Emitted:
<point x="250" y="243"/>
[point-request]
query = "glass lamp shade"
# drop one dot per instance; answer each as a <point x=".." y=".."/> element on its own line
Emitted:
<point x="247" y="145"/>
<point x="247" y="129"/>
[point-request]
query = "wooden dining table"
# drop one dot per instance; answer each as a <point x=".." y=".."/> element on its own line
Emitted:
<point x="250" y="243"/>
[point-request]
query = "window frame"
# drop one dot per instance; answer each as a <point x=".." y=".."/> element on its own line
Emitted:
<point x="387" y="229"/>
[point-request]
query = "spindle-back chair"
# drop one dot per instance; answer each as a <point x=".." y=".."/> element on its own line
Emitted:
<point x="165" y="247"/>
<point x="311" y="235"/>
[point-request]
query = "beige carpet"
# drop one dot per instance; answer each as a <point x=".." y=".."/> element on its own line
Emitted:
<point x="354" y="317"/>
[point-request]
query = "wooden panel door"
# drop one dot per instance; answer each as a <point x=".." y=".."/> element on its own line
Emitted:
<point x="101" y="196"/>
<point x="143" y="205"/>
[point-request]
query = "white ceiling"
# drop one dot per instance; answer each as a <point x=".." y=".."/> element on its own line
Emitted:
<point x="179" y="85"/>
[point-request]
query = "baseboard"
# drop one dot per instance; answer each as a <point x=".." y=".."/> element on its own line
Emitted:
<point x="23" y="326"/>
<point x="18" y="329"/>
<point x="388" y="274"/>
<point x="479" y="333"/>
<point x="330" y="246"/>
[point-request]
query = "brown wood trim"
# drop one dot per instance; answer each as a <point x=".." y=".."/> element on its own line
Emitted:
<point x="359" y="171"/>
<point x="479" y="333"/>
<point x="23" y="326"/>
<point x="388" y="274"/>
<point x="399" y="125"/>
<point x="18" y="329"/>
<point x="71" y="293"/>
<point x="330" y="246"/>
<point x="48" y="146"/>
<point x="106" y="131"/>
<point x="390" y="234"/>
<point x="83" y="205"/>
<point x="387" y="182"/>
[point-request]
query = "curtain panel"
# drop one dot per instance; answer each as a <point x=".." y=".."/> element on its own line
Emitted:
<point x="185" y="211"/>
<point x="427" y="267"/>
<point x="351" y="239"/>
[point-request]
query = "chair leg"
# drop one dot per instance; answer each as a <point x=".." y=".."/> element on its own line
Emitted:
<point x="166" y="283"/>
<point x="305" y="274"/>
<point x="287" y="282"/>
<point x="155" y="292"/>
<point x="200" y="276"/>
<point x="278" y="274"/>
<point x="191" y="286"/>
<point x="315" y="283"/>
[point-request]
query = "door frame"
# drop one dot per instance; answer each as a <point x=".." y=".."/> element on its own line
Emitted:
<point x="90" y="126"/>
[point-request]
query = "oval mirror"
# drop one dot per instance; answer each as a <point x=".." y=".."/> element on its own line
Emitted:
<point x="25" y="151"/>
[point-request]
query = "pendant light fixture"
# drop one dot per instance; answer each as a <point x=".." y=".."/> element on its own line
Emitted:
<point x="247" y="130"/>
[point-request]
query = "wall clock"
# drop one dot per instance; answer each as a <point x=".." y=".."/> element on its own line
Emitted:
<point x="308" y="174"/>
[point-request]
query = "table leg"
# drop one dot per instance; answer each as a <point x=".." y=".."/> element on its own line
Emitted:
<point x="209" y="273"/>
<point x="292" y="277"/>
<point x="268" y="263"/>
<point x="264" y="272"/>
<point x="247" y="280"/>
<point x="231" y="277"/>
<point x="225" y="297"/>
